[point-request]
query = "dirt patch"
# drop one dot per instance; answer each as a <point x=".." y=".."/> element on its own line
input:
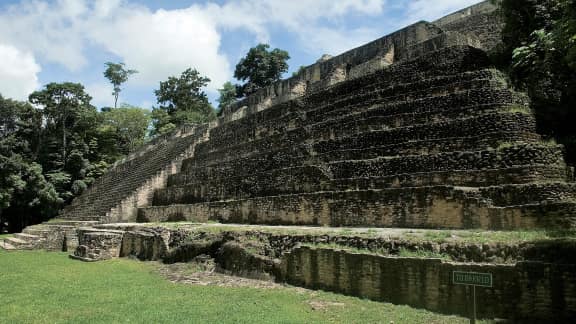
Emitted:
<point x="322" y="304"/>
<point x="205" y="274"/>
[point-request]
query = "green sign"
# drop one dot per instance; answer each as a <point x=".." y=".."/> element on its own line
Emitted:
<point x="472" y="278"/>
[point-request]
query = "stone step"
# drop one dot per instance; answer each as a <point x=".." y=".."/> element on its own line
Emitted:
<point x="518" y="154"/>
<point x="427" y="207"/>
<point x="37" y="231"/>
<point x="396" y="76"/>
<point x="351" y="136"/>
<point x="322" y="138"/>
<point x="28" y="237"/>
<point x="304" y="180"/>
<point x="7" y="246"/>
<point x="19" y="243"/>
<point x="66" y="222"/>
<point x="441" y="104"/>
<point x="418" y="90"/>
<point x="122" y="180"/>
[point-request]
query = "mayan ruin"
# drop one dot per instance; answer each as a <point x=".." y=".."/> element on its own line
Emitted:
<point x="325" y="179"/>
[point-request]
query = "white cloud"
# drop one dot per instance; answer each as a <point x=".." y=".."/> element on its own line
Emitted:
<point x="166" y="42"/>
<point x="303" y="18"/>
<point x="101" y="94"/>
<point x="48" y="31"/>
<point x="158" y="44"/>
<point x="162" y="43"/>
<point x="425" y="10"/>
<point x="18" y="73"/>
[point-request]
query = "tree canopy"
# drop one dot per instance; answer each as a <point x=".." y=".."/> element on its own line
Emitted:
<point x="260" y="67"/>
<point x="65" y="106"/>
<point x="51" y="152"/>
<point x="117" y="74"/>
<point x="539" y="40"/>
<point x="181" y="101"/>
<point x="122" y="129"/>
<point x="227" y="95"/>
<point x="25" y="194"/>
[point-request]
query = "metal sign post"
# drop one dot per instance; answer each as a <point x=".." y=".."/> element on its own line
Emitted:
<point x="472" y="279"/>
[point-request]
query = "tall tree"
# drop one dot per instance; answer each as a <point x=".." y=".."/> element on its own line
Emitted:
<point x="64" y="106"/>
<point x="227" y="95"/>
<point x="25" y="195"/>
<point x="260" y="67"/>
<point x="182" y="101"/>
<point x="117" y="74"/>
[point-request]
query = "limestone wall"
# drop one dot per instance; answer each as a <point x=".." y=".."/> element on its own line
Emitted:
<point x="532" y="281"/>
<point x="482" y="20"/>
<point x="436" y="141"/>
<point x="407" y="43"/>
<point x="478" y="25"/>
<point x="421" y="207"/>
<point x="525" y="291"/>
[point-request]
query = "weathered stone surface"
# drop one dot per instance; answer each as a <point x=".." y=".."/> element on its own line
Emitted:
<point x="527" y="291"/>
<point x="436" y="140"/>
<point x="96" y="244"/>
<point x="533" y="281"/>
<point x="130" y="184"/>
<point x="415" y="129"/>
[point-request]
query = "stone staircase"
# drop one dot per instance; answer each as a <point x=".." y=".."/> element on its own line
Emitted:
<point x="22" y="241"/>
<point x="56" y="235"/>
<point x="130" y="184"/>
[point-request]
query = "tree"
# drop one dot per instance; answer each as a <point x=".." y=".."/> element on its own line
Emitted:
<point x="182" y="101"/>
<point x="117" y="74"/>
<point x="227" y="95"/>
<point x="539" y="40"/>
<point x="25" y="195"/>
<point x="123" y="129"/>
<point x="65" y="104"/>
<point x="260" y="68"/>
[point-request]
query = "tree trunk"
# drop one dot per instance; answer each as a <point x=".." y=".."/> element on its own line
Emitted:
<point x="115" y="100"/>
<point x="64" y="143"/>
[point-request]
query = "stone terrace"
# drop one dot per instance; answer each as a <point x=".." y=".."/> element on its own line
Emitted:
<point x="436" y="141"/>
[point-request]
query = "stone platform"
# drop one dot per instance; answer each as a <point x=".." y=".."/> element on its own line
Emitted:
<point x="533" y="272"/>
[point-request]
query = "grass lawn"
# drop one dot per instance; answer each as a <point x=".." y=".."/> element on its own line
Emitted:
<point x="41" y="287"/>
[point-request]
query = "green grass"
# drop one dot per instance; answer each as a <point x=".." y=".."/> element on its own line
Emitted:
<point x="422" y="254"/>
<point x="402" y="252"/>
<point x="40" y="287"/>
<point x="415" y="235"/>
<point x="479" y="236"/>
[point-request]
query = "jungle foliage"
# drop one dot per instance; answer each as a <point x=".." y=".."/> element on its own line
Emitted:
<point x="539" y="50"/>
<point x="52" y="148"/>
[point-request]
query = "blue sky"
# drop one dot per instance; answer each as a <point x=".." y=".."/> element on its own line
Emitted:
<point x="44" y="41"/>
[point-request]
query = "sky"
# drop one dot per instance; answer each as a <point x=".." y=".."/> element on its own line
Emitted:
<point x="43" y="41"/>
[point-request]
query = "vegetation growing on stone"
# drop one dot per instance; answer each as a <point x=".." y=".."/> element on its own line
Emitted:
<point x="539" y="41"/>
